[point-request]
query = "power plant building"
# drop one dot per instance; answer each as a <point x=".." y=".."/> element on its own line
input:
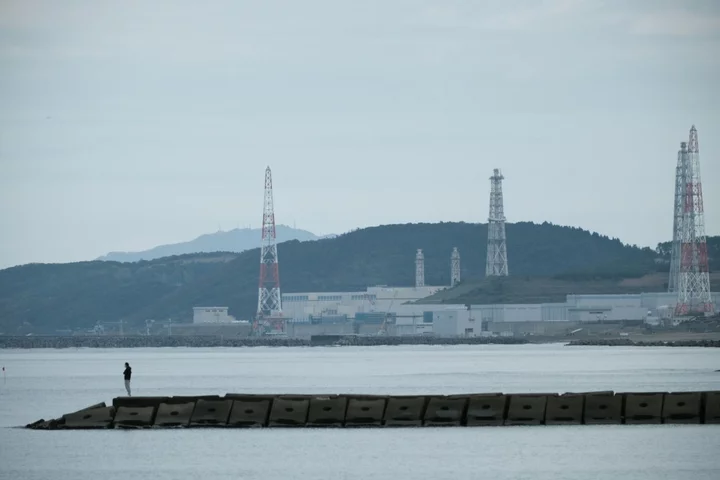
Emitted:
<point x="212" y="315"/>
<point x="304" y="307"/>
<point x="363" y="312"/>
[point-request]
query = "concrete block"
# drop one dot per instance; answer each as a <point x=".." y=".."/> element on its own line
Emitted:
<point x="365" y="411"/>
<point x="682" y="407"/>
<point x="211" y="413"/>
<point x="566" y="409"/>
<point x="36" y="424"/>
<point x="445" y="411"/>
<point x="527" y="409"/>
<point x="486" y="410"/>
<point x="603" y="408"/>
<point x="51" y="424"/>
<point x="174" y="414"/>
<point x="194" y="399"/>
<point x="92" y="407"/>
<point x="643" y="408"/>
<point x="249" y="412"/>
<point x="138" y="401"/>
<point x="134" y="417"/>
<point x="405" y="411"/>
<point x="327" y="411"/>
<point x="711" y="404"/>
<point x="289" y="411"/>
<point x="87" y="419"/>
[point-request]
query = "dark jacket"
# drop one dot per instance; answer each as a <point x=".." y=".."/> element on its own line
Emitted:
<point x="127" y="373"/>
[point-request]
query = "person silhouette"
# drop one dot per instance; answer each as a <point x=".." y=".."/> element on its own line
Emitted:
<point x="127" y="374"/>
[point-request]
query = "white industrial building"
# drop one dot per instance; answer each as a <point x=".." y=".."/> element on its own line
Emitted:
<point x="365" y="312"/>
<point x="212" y="315"/>
<point x="302" y="307"/>
<point x="213" y="321"/>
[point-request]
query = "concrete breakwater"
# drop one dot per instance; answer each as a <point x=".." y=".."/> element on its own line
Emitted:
<point x="468" y="410"/>
<point x="146" y="341"/>
<point x="155" y="341"/>
<point x="624" y="342"/>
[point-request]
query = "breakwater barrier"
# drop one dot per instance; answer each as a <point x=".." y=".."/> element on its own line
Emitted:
<point x="205" y="341"/>
<point x="238" y="410"/>
<point x="625" y="342"/>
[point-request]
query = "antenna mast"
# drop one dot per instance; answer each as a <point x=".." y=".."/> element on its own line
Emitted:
<point x="497" y="264"/>
<point x="680" y="182"/>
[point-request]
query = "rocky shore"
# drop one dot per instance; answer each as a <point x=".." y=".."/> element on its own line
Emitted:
<point x="623" y="342"/>
<point x="156" y="341"/>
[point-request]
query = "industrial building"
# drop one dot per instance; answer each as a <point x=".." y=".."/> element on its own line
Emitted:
<point x="365" y="313"/>
<point x="213" y="321"/>
<point x="306" y="306"/>
<point x="212" y="315"/>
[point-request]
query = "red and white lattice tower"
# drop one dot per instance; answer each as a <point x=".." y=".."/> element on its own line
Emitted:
<point x="269" y="311"/>
<point x="694" y="272"/>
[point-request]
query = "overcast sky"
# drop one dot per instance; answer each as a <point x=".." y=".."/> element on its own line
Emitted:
<point x="128" y="124"/>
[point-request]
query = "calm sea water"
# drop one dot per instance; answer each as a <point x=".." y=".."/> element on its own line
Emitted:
<point x="48" y="383"/>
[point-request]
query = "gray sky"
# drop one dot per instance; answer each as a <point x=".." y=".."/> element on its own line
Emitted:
<point x="128" y="124"/>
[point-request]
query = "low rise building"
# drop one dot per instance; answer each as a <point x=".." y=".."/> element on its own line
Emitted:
<point x="212" y="315"/>
<point x="392" y="311"/>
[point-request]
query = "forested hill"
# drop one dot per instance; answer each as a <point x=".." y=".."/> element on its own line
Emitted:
<point x="713" y="245"/>
<point x="81" y="294"/>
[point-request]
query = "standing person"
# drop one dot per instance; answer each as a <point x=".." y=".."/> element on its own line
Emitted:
<point x="127" y="374"/>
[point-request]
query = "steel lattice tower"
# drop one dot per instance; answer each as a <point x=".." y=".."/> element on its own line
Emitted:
<point x="497" y="264"/>
<point x="680" y="181"/>
<point x="419" y="269"/>
<point x="454" y="267"/>
<point x="269" y="299"/>
<point x="694" y="272"/>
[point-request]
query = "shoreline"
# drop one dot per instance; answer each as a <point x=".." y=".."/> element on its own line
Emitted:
<point x="195" y="341"/>
<point x="620" y="342"/>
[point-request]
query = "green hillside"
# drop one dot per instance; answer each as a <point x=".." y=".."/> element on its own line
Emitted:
<point x="713" y="246"/>
<point x="80" y="294"/>
<point x="549" y="289"/>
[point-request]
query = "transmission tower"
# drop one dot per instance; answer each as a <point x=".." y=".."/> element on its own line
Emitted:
<point x="694" y="277"/>
<point x="269" y="300"/>
<point x="680" y="182"/>
<point x="454" y="267"/>
<point x="497" y="264"/>
<point x="419" y="269"/>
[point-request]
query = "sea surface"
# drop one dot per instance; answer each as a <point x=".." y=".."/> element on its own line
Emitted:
<point x="48" y="383"/>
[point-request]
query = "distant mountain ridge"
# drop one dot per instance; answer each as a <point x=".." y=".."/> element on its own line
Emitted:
<point x="235" y="240"/>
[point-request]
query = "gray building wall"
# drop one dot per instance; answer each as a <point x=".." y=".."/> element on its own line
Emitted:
<point x="307" y="330"/>
<point x="455" y="323"/>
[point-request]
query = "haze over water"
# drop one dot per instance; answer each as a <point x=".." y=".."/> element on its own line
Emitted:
<point x="48" y="383"/>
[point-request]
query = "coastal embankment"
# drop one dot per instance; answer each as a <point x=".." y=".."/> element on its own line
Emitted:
<point x="195" y="341"/>
<point x="159" y="341"/>
<point x="356" y="410"/>
<point x="626" y="342"/>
